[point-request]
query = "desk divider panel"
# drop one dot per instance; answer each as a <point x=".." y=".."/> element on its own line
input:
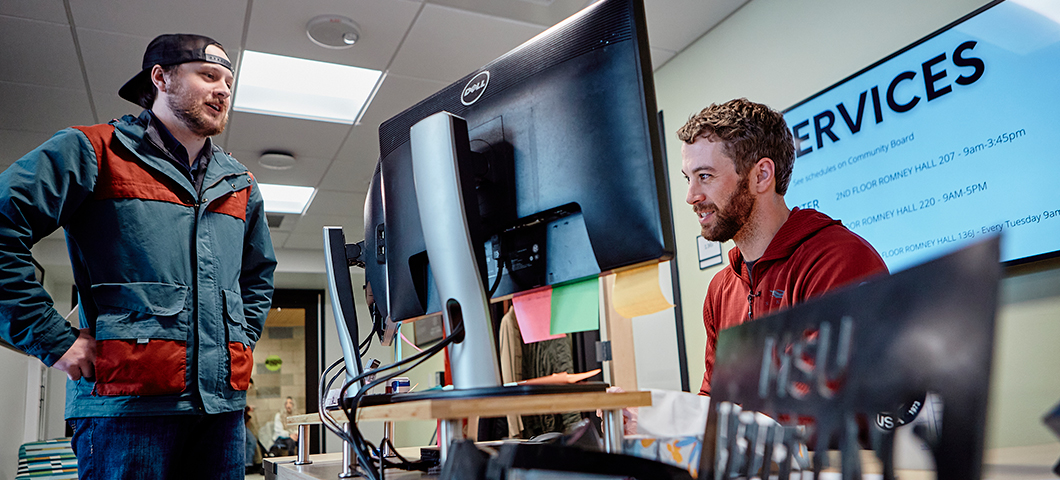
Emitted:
<point x="844" y="369"/>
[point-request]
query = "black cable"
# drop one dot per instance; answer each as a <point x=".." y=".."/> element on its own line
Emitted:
<point x="357" y="439"/>
<point x="362" y="349"/>
<point x="327" y="388"/>
<point x="406" y="464"/>
<point x="432" y="350"/>
<point x="417" y="358"/>
<point x="361" y="446"/>
<point x="497" y="282"/>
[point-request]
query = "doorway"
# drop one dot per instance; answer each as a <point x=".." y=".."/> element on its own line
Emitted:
<point x="286" y="363"/>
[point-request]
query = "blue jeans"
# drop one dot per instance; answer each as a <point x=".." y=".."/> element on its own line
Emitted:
<point x="160" y="447"/>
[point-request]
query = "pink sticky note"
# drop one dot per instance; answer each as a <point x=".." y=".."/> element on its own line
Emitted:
<point x="533" y="311"/>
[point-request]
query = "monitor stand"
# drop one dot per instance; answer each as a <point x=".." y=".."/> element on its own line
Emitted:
<point x="444" y="193"/>
<point x="450" y="219"/>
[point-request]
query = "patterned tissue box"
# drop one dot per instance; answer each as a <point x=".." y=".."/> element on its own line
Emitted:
<point x="679" y="451"/>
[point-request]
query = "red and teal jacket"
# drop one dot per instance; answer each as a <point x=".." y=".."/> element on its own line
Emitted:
<point x="810" y="255"/>
<point x="174" y="284"/>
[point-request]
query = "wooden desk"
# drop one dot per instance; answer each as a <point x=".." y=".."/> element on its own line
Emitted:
<point x="452" y="412"/>
<point x="495" y="407"/>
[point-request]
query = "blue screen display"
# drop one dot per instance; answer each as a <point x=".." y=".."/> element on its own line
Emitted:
<point x="955" y="138"/>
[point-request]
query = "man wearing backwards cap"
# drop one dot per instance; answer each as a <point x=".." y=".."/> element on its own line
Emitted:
<point x="173" y="265"/>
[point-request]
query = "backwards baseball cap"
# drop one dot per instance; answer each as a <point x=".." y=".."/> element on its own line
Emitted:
<point x="166" y="50"/>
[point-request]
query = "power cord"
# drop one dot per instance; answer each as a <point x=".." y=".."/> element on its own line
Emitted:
<point x="366" y="452"/>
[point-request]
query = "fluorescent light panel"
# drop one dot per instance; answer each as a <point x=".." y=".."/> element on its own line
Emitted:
<point x="295" y="87"/>
<point x="286" y="198"/>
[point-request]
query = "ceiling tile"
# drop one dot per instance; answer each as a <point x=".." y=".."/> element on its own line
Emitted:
<point x="110" y="106"/>
<point x="530" y="11"/>
<point x="16" y="143"/>
<point x="53" y="108"/>
<point x="222" y="21"/>
<point x="446" y="44"/>
<point x="287" y="224"/>
<point x="352" y="169"/>
<point x="279" y="27"/>
<point x="329" y="202"/>
<point x="111" y="59"/>
<point x="46" y="10"/>
<point x="303" y="138"/>
<point x="353" y="166"/>
<point x="396" y="94"/>
<point x="307" y="171"/>
<point x="38" y="52"/>
<point x="674" y="24"/>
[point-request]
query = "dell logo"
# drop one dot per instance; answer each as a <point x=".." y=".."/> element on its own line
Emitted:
<point x="475" y="88"/>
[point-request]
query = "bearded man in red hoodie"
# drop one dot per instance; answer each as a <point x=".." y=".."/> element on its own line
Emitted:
<point x="737" y="158"/>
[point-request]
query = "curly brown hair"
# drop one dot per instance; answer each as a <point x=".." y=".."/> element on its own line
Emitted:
<point x="748" y="131"/>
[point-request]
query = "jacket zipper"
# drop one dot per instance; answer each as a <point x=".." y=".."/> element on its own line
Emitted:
<point x="752" y="294"/>
<point x="195" y="299"/>
<point x="201" y="201"/>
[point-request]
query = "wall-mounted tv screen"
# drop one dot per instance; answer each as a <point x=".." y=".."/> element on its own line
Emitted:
<point x="952" y="138"/>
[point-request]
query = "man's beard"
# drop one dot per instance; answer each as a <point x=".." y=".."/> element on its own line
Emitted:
<point x="729" y="222"/>
<point x="189" y="111"/>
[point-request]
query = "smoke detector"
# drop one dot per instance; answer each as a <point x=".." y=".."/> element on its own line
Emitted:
<point x="277" y="160"/>
<point x="333" y="31"/>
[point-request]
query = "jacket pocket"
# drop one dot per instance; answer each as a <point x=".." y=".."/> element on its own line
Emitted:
<point x="141" y="338"/>
<point x="240" y="355"/>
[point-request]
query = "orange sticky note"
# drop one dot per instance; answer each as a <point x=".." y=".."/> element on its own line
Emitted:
<point x="561" y="378"/>
<point x="637" y="292"/>
<point x="533" y="312"/>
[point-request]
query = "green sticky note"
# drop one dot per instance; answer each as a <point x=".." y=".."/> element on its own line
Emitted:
<point x="576" y="307"/>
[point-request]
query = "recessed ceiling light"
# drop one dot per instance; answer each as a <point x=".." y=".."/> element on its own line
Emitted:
<point x="298" y="88"/>
<point x="286" y="198"/>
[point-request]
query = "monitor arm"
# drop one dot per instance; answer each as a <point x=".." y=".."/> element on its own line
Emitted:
<point x="338" y="260"/>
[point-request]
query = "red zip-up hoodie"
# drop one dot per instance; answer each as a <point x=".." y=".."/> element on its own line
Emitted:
<point x="810" y="255"/>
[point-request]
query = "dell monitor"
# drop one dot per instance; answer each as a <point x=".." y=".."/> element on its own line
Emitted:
<point x="540" y="168"/>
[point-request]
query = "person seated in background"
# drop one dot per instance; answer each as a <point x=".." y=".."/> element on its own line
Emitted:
<point x="284" y="437"/>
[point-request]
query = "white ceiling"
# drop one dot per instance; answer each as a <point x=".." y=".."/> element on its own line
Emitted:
<point x="62" y="62"/>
